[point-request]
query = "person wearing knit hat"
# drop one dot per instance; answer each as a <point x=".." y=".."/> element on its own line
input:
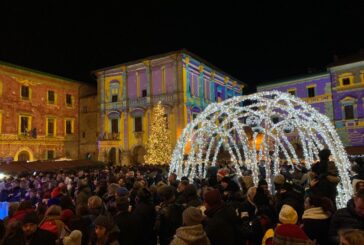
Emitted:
<point x="288" y="215"/>
<point x="106" y="232"/>
<point x="192" y="232"/>
<point x="74" y="238"/>
<point x="221" y="173"/>
<point x="32" y="234"/>
<point x="288" y="232"/>
<point x="192" y="216"/>
<point x="122" y="192"/>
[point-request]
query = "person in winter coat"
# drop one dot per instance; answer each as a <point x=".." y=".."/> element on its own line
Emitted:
<point x="287" y="231"/>
<point x="74" y="238"/>
<point x="316" y="218"/>
<point x="145" y="217"/>
<point x="30" y="234"/>
<point x="126" y="223"/>
<point x="351" y="217"/>
<point x="222" y="222"/>
<point x="325" y="177"/>
<point x="52" y="222"/>
<point x="192" y="232"/>
<point x="106" y="232"/>
<point x="169" y="216"/>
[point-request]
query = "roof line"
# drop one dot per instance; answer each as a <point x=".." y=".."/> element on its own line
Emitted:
<point x="37" y="72"/>
<point x="293" y="78"/>
<point x="180" y="51"/>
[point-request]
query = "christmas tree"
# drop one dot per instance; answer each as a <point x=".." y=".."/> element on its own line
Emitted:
<point x="159" y="147"/>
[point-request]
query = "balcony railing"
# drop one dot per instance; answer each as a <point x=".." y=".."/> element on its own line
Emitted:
<point x="142" y="102"/>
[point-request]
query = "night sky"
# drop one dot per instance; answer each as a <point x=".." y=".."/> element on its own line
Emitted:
<point x="255" y="41"/>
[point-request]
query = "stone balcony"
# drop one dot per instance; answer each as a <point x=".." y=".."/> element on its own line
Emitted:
<point x="142" y="102"/>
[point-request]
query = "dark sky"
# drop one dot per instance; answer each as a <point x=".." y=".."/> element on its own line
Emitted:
<point x="255" y="41"/>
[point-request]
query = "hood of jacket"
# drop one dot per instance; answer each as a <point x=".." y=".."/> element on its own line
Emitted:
<point x="191" y="233"/>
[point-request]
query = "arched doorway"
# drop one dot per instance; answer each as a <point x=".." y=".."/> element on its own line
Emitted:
<point x="138" y="154"/>
<point x="24" y="156"/>
<point x="112" y="156"/>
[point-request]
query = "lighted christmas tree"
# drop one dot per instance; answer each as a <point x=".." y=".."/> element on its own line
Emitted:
<point x="159" y="147"/>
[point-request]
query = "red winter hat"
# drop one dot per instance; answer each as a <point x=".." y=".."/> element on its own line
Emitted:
<point x="222" y="173"/>
<point x="66" y="215"/>
<point x="56" y="192"/>
<point x="213" y="197"/>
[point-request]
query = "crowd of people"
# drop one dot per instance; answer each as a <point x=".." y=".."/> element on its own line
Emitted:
<point x="147" y="205"/>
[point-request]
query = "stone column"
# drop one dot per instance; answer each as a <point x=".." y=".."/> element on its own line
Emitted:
<point x="101" y="87"/>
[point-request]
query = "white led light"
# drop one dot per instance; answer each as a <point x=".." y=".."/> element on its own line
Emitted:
<point x="272" y="117"/>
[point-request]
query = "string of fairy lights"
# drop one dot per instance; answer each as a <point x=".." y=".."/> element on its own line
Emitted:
<point x="238" y="124"/>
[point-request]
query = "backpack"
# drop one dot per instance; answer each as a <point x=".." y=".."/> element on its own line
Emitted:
<point x="56" y="227"/>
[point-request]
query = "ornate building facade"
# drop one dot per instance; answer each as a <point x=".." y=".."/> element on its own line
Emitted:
<point x="183" y="82"/>
<point x="39" y="115"/>
<point x="337" y="93"/>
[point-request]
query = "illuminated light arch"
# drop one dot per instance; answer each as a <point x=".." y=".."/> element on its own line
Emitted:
<point x="272" y="117"/>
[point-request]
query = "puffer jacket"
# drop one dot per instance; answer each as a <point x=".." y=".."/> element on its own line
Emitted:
<point x="345" y="218"/>
<point x="191" y="235"/>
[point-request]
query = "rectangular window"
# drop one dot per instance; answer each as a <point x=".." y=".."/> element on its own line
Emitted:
<point x="114" y="126"/>
<point x="68" y="100"/>
<point x="84" y="109"/>
<point x="51" y="97"/>
<point x="83" y="134"/>
<point x="50" y="154"/>
<point x="50" y="127"/>
<point x="144" y="93"/>
<point x="346" y="81"/>
<point x="138" y="126"/>
<point x="69" y="127"/>
<point x="194" y="115"/>
<point x="292" y="92"/>
<point x="311" y="92"/>
<point x="349" y="112"/>
<point x="24" y="92"/>
<point x="24" y="125"/>
<point x="114" y="98"/>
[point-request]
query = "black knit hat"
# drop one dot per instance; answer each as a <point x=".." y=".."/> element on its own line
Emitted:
<point x="104" y="221"/>
<point x="31" y="217"/>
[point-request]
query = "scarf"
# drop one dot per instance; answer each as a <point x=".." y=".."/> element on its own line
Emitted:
<point x="315" y="213"/>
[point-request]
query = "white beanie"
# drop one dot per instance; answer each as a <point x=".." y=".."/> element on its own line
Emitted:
<point x="75" y="238"/>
